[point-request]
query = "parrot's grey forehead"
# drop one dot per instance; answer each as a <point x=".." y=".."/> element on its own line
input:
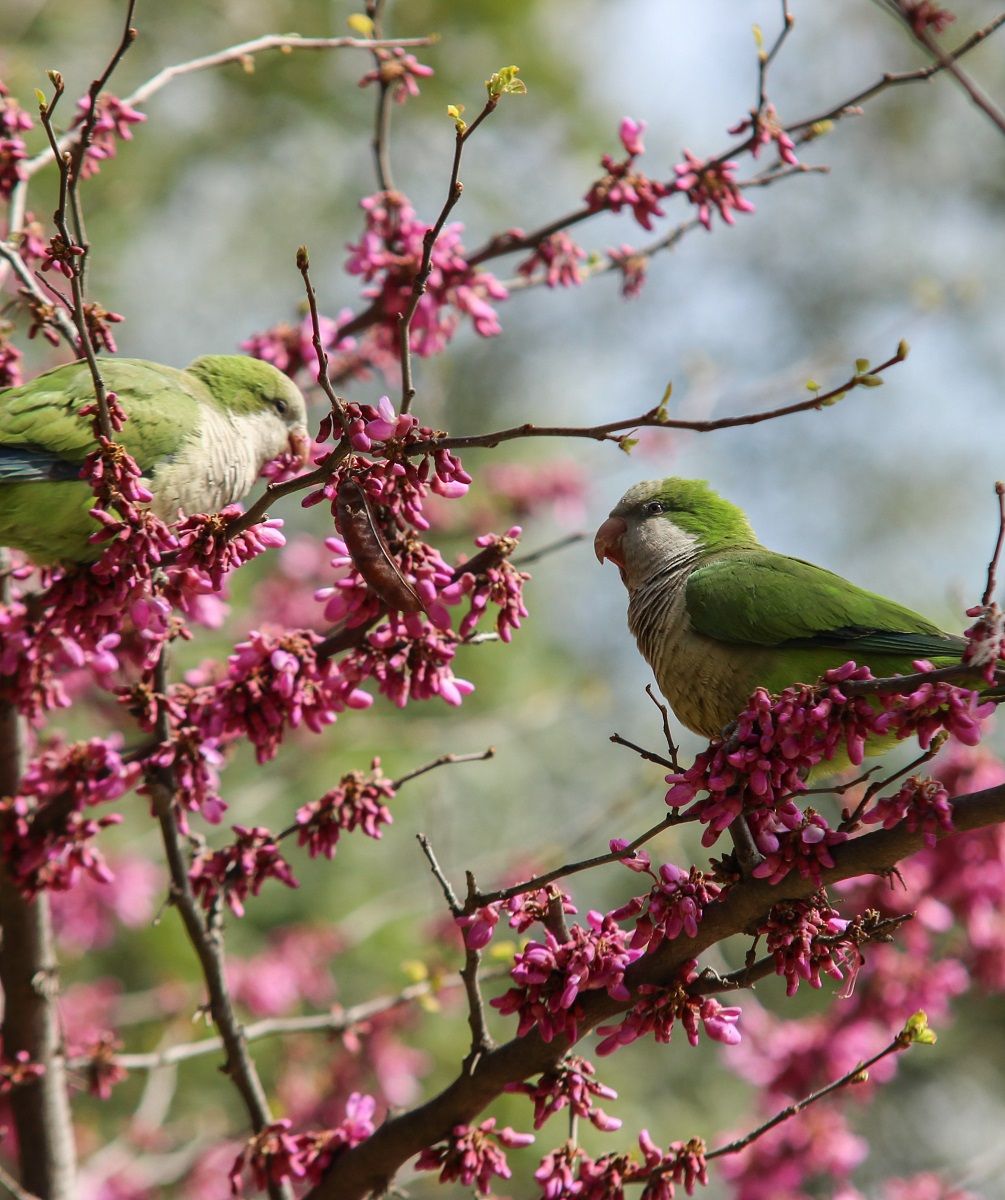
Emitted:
<point x="637" y="494"/>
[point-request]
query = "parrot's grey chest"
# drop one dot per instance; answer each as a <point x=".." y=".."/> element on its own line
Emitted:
<point x="695" y="673"/>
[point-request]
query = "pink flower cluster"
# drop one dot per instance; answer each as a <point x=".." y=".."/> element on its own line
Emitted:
<point x="552" y="975"/>
<point x="710" y="184"/>
<point x="398" y="71"/>
<point x="388" y="257"/>
<point x="473" y="1154"/>
<point x="623" y="186"/>
<point x="111" y="125"/>
<point x="290" y="348"/>
<point x="570" y="1172"/>
<point x="767" y="128"/>
<point x="673" y="906"/>
<point x="357" y="803"/>
<point x="13" y="122"/>
<point x="920" y="804"/>
<point x="660" y="1007"/>
<point x="804" y="937"/>
<point x="777" y="741"/>
<point x="525" y="909"/>
<point x="633" y="265"/>
<point x="570" y="1084"/>
<point x="18" y="1071"/>
<point x="45" y="836"/>
<point x="557" y="256"/>
<point x="239" y="869"/>
<point x="273" y="682"/>
<point x="103" y="1070"/>
<point x="275" y="1155"/>
<point x="923" y="15"/>
<point x="207" y="552"/>
<point x="10" y="361"/>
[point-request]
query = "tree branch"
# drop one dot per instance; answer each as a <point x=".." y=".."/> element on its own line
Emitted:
<point x="369" y="1167"/>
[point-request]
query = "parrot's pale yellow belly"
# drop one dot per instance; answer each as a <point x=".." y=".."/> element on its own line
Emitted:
<point x="706" y="682"/>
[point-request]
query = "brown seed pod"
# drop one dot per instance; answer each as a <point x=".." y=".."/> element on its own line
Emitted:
<point x="368" y="549"/>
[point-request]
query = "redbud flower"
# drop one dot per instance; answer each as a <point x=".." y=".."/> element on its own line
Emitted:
<point x="920" y="804"/>
<point x="559" y="257"/>
<point x="357" y="802"/>
<point x="473" y="1155"/>
<point x="571" y="1084"/>
<point x="767" y="129"/>
<point x="631" y="133"/>
<point x="239" y="869"/>
<point x="398" y="71"/>
<point x="709" y="185"/>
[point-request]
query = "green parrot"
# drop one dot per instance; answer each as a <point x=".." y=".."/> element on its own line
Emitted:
<point x="201" y="436"/>
<point x="716" y="614"/>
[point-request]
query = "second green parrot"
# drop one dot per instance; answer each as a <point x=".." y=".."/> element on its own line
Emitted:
<point x="717" y="615"/>
<point x="201" y="437"/>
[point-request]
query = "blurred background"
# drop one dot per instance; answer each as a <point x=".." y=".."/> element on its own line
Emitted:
<point x="195" y="227"/>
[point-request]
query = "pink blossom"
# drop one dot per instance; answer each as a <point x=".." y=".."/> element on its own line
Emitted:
<point x="804" y="938"/>
<point x="535" y="906"/>
<point x="710" y="184"/>
<point x="473" y="1155"/>
<point x="397" y="71"/>
<point x="623" y="187"/>
<point x="18" y="1071"/>
<point x="477" y="927"/>
<point x="923" y="15"/>
<point x="294" y="969"/>
<point x="239" y="869"/>
<point x="10" y="361"/>
<point x="920" y="804"/>
<point x="111" y="125"/>
<point x="633" y="265"/>
<point x="551" y="975"/>
<point x="388" y="256"/>
<point x="290" y="348"/>
<point x="357" y="803"/>
<point x="45" y="836"/>
<point x="103" y="1070"/>
<point x="631" y="132"/>
<point x="659" y="1007"/>
<point x="766" y="129"/>
<point x="559" y="257"/>
<point x="571" y="1083"/>
<point x="674" y="906"/>
<point x="13" y="152"/>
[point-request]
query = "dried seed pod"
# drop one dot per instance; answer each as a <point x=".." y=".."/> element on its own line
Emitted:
<point x="368" y="549"/>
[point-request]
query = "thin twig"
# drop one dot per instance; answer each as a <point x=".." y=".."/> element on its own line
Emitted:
<point x="672" y="747"/>
<point x="908" y="683"/>
<point x="381" y="140"/>
<point x="992" y="583"/>
<point x="449" y="894"/>
<point x="443" y="761"/>
<point x="856" y="1075"/>
<point x="764" y="61"/>
<point x="948" y="63"/>
<point x="13" y="1188"/>
<point x="648" y="755"/>
<point x="570" y="539"/>
<point x="586" y="864"/>
<point x="481" y="1042"/>
<point x="335" y="1022"/>
<point x="323" y="381"/>
<point x="896" y="79"/>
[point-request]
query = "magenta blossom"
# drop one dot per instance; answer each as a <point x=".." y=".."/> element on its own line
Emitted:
<point x="710" y="185"/>
<point x="473" y="1155"/>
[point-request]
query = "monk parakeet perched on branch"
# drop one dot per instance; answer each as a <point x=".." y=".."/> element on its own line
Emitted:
<point x="717" y="615"/>
<point x="201" y="436"/>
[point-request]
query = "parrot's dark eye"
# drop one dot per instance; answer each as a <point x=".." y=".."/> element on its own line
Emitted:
<point x="653" y="507"/>
<point x="280" y="406"/>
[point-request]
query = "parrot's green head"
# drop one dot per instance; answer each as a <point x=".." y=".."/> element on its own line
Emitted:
<point x="665" y="523"/>
<point x="264" y="400"/>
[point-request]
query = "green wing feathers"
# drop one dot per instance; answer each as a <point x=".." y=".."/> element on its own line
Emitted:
<point x="756" y="597"/>
<point x="163" y="406"/>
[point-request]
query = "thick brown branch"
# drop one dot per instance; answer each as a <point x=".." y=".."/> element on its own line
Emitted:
<point x="370" y="1166"/>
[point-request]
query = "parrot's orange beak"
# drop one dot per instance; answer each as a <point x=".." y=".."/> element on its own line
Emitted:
<point x="607" y="543"/>
<point x="300" y="445"/>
